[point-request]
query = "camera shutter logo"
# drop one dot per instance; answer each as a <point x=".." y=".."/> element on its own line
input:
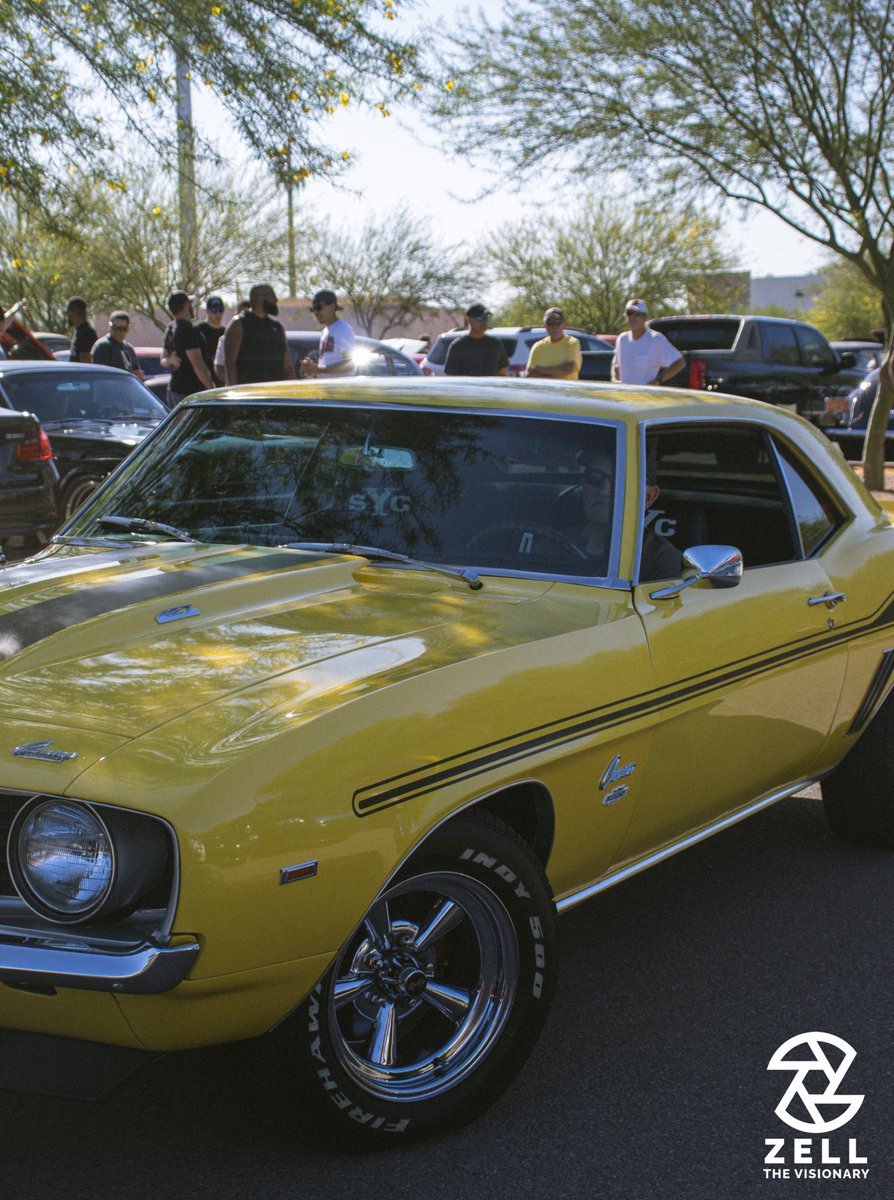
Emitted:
<point x="812" y="1057"/>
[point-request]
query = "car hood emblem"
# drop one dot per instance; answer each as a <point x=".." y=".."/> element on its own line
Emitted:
<point x="42" y="751"/>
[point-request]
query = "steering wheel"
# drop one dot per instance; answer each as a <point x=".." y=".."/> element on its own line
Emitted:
<point x="534" y="528"/>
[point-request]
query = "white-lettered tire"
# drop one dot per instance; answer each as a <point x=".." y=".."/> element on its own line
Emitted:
<point x="859" y="794"/>
<point x="433" y="1005"/>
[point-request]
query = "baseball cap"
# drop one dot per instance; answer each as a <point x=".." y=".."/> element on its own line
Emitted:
<point x="176" y="301"/>
<point x="637" y="306"/>
<point x="478" y="310"/>
<point x="324" y="297"/>
<point x="555" y="313"/>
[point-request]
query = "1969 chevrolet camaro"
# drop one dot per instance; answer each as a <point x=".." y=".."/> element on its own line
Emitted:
<point x="334" y="694"/>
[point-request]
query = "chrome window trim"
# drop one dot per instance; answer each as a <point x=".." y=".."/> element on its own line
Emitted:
<point x="613" y="578"/>
<point x="771" y="433"/>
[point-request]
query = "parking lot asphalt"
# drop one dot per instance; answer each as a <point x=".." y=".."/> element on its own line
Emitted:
<point x="650" y="1081"/>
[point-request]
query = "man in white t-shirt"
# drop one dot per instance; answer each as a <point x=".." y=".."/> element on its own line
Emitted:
<point x="336" y="355"/>
<point x="644" y="355"/>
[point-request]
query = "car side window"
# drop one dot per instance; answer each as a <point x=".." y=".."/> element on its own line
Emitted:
<point x="781" y="346"/>
<point x="815" y="350"/>
<point x="815" y="513"/>
<point x="720" y="485"/>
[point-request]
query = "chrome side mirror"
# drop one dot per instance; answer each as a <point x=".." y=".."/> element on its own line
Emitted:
<point x="722" y="565"/>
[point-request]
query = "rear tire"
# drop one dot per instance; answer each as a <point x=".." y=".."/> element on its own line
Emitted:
<point x="859" y="796"/>
<point x="77" y="492"/>
<point x="433" y="1004"/>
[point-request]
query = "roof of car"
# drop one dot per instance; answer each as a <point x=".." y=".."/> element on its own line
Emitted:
<point x="604" y="401"/>
<point x="50" y="364"/>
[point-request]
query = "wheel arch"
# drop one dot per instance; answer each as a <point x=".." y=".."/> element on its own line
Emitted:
<point x="527" y="808"/>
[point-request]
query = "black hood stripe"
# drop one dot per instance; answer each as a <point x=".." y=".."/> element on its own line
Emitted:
<point x="26" y="626"/>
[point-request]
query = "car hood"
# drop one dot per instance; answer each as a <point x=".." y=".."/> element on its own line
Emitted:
<point x="121" y="642"/>
<point x="129" y="431"/>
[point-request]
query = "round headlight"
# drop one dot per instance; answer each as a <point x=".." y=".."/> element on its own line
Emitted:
<point x="62" y="859"/>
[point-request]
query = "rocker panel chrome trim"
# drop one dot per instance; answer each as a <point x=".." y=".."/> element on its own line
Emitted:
<point x="691" y="839"/>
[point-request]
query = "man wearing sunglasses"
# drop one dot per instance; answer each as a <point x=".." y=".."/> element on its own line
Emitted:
<point x="644" y="355"/>
<point x="659" y="558"/>
<point x="557" y="356"/>
<point x="474" y="353"/>
<point x="336" y="354"/>
<point x="113" y="350"/>
<point x="212" y="330"/>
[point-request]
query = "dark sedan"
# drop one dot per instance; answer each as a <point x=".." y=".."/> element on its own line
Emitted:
<point x="94" y="416"/>
<point x="29" y="484"/>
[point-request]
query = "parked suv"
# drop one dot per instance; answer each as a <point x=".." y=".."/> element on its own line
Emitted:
<point x="518" y="340"/>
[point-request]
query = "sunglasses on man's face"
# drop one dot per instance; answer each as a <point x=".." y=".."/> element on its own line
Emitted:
<point x="215" y="308"/>
<point x="596" y="478"/>
<point x="484" y="317"/>
<point x="553" y="321"/>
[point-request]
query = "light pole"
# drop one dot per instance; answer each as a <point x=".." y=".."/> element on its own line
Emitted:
<point x="186" y="175"/>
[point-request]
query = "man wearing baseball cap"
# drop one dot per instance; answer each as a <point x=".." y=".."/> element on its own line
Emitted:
<point x="644" y="355"/>
<point x="557" y="356"/>
<point x="474" y="353"/>
<point x="184" y="351"/>
<point x="336" y="354"/>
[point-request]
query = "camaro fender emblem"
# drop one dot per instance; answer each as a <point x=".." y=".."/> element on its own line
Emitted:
<point x="42" y="751"/>
<point x="614" y="771"/>
<point x="176" y="614"/>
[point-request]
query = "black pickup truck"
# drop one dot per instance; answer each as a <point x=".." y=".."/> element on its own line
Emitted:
<point x="764" y="358"/>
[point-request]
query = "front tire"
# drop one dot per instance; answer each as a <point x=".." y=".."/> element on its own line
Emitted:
<point x="434" y="1003"/>
<point x="859" y="795"/>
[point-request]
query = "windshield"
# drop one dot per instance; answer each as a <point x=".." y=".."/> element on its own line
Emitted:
<point x="64" y="395"/>
<point x="451" y="488"/>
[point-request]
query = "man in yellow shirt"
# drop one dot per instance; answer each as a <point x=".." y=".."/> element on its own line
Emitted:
<point x="557" y="356"/>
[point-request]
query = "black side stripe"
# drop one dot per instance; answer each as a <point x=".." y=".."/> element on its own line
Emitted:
<point x="26" y="626"/>
<point x="505" y="751"/>
<point x="875" y="693"/>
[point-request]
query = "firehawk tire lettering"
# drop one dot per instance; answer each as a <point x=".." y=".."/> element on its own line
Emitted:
<point x="433" y="1004"/>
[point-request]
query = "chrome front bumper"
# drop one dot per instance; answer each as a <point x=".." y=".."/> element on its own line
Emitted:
<point x="38" y="961"/>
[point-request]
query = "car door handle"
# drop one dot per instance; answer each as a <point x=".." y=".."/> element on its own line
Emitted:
<point x="830" y="599"/>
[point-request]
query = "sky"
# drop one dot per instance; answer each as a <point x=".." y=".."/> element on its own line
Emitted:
<point x="402" y="159"/>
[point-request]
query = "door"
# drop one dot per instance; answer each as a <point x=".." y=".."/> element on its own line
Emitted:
<point x="747" y="679"/>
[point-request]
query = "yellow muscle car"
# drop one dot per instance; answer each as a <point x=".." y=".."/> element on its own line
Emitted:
<point x="335" y="694"/>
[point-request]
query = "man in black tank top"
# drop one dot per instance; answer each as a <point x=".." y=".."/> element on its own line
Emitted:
<point x="255" y="348"/>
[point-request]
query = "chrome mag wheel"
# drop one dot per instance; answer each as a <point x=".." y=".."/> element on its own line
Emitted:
<point x="422" y="992"/>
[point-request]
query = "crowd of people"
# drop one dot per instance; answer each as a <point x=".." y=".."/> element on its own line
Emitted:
<point x="253" y="347"/>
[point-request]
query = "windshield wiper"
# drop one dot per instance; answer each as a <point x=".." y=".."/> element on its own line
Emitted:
<point x="144" y="525"/>
<point x="376" y="553"/>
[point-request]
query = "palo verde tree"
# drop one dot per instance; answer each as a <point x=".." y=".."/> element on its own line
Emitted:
<point x="590" y="262"/>
<point x="73" y="74"/>
<point x="390" y="270"/>
<point x="786" y="105"/>
<point x="122" y="250"/>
